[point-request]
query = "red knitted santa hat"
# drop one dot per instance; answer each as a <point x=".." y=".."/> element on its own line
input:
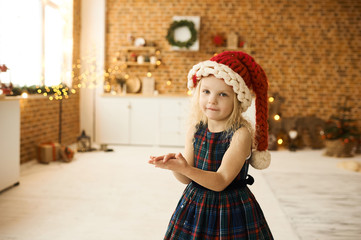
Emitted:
<point x="240" y="71"/>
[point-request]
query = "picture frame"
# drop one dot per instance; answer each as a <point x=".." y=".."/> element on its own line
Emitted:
<point x="183" y="34"/>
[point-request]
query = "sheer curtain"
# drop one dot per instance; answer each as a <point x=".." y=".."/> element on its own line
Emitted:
<point x="36" y="41"/>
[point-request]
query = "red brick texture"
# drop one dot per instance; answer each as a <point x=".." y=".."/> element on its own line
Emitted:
<point x="310" y="50"/>
<point x="40" y="123"/>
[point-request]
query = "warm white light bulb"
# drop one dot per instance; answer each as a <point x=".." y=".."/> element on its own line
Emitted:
<point x="292" y="134"/>
<point x="24" y="95"/>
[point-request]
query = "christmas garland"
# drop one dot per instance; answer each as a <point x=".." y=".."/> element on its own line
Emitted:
<point x="178" y="24"/>
<point x="57" y="91"/>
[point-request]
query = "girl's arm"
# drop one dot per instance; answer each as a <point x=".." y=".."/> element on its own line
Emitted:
<point x="231" y="165"/>
<point x="188" y="153"/>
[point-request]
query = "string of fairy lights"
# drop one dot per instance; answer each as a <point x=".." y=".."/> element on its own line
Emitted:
<point x="57" y="92"/>
<point x="88" y="78"/>
<point x="276" y="117"/>
<point x="85" y="74"/>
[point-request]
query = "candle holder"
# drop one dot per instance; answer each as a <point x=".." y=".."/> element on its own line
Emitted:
<point x="293" y="135"/>
<point x="84" y="142"/>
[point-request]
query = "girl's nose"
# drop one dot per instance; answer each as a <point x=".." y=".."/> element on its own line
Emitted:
<point x="212" y="99"/>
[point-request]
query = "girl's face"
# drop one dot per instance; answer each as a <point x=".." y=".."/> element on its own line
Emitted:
<point x="216" y="99"/>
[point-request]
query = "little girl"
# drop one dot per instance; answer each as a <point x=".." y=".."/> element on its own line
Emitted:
<point x="217" y="204"/>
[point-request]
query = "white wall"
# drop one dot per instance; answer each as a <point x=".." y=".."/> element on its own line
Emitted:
<point x="92" y="43"/>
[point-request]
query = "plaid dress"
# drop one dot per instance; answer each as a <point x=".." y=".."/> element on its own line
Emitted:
<point x="205" y="214"/>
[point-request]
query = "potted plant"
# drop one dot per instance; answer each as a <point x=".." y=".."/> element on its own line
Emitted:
<point x="341" y="134"/>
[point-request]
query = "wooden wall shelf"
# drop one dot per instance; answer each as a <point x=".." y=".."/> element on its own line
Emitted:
<point x="145" y="64"/>
<point x="126" y="55"/>
<point x="133" y="48"/>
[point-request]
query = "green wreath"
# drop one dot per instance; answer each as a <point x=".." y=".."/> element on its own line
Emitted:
<point x="178" y="24"/>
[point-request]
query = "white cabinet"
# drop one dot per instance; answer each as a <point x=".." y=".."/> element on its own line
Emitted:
<point x="112" y="120"/>
<point x="9" y="143"/>
<point x="173" y="115"/>
<point x="141" y="120"/>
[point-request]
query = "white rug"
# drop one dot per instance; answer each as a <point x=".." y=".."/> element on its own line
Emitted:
<point x="319" y="205"/>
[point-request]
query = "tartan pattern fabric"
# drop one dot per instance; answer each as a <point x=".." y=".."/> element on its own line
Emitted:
<point x="203" y="214"/>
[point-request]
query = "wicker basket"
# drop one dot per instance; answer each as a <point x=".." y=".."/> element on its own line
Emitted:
<point x="338" y="148"/>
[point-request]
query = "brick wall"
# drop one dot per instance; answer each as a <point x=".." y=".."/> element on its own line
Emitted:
<point x="40" y="116"/>
<point x="40" y="123"/>
<point x="310" y="50"/>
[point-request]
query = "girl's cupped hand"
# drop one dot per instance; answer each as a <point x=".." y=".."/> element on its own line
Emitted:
<point x="171" y="161"/>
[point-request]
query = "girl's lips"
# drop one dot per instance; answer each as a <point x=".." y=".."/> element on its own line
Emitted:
<point x="212" y="109"/>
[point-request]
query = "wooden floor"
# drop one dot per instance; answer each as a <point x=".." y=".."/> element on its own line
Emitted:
<point x="117" y="195"/>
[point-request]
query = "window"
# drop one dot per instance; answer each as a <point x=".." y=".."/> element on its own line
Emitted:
<point x="36" y="41"/>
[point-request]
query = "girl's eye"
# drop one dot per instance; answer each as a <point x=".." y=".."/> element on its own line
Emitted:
<point x="205" y="91"/>
<point x="223" y="94"/>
